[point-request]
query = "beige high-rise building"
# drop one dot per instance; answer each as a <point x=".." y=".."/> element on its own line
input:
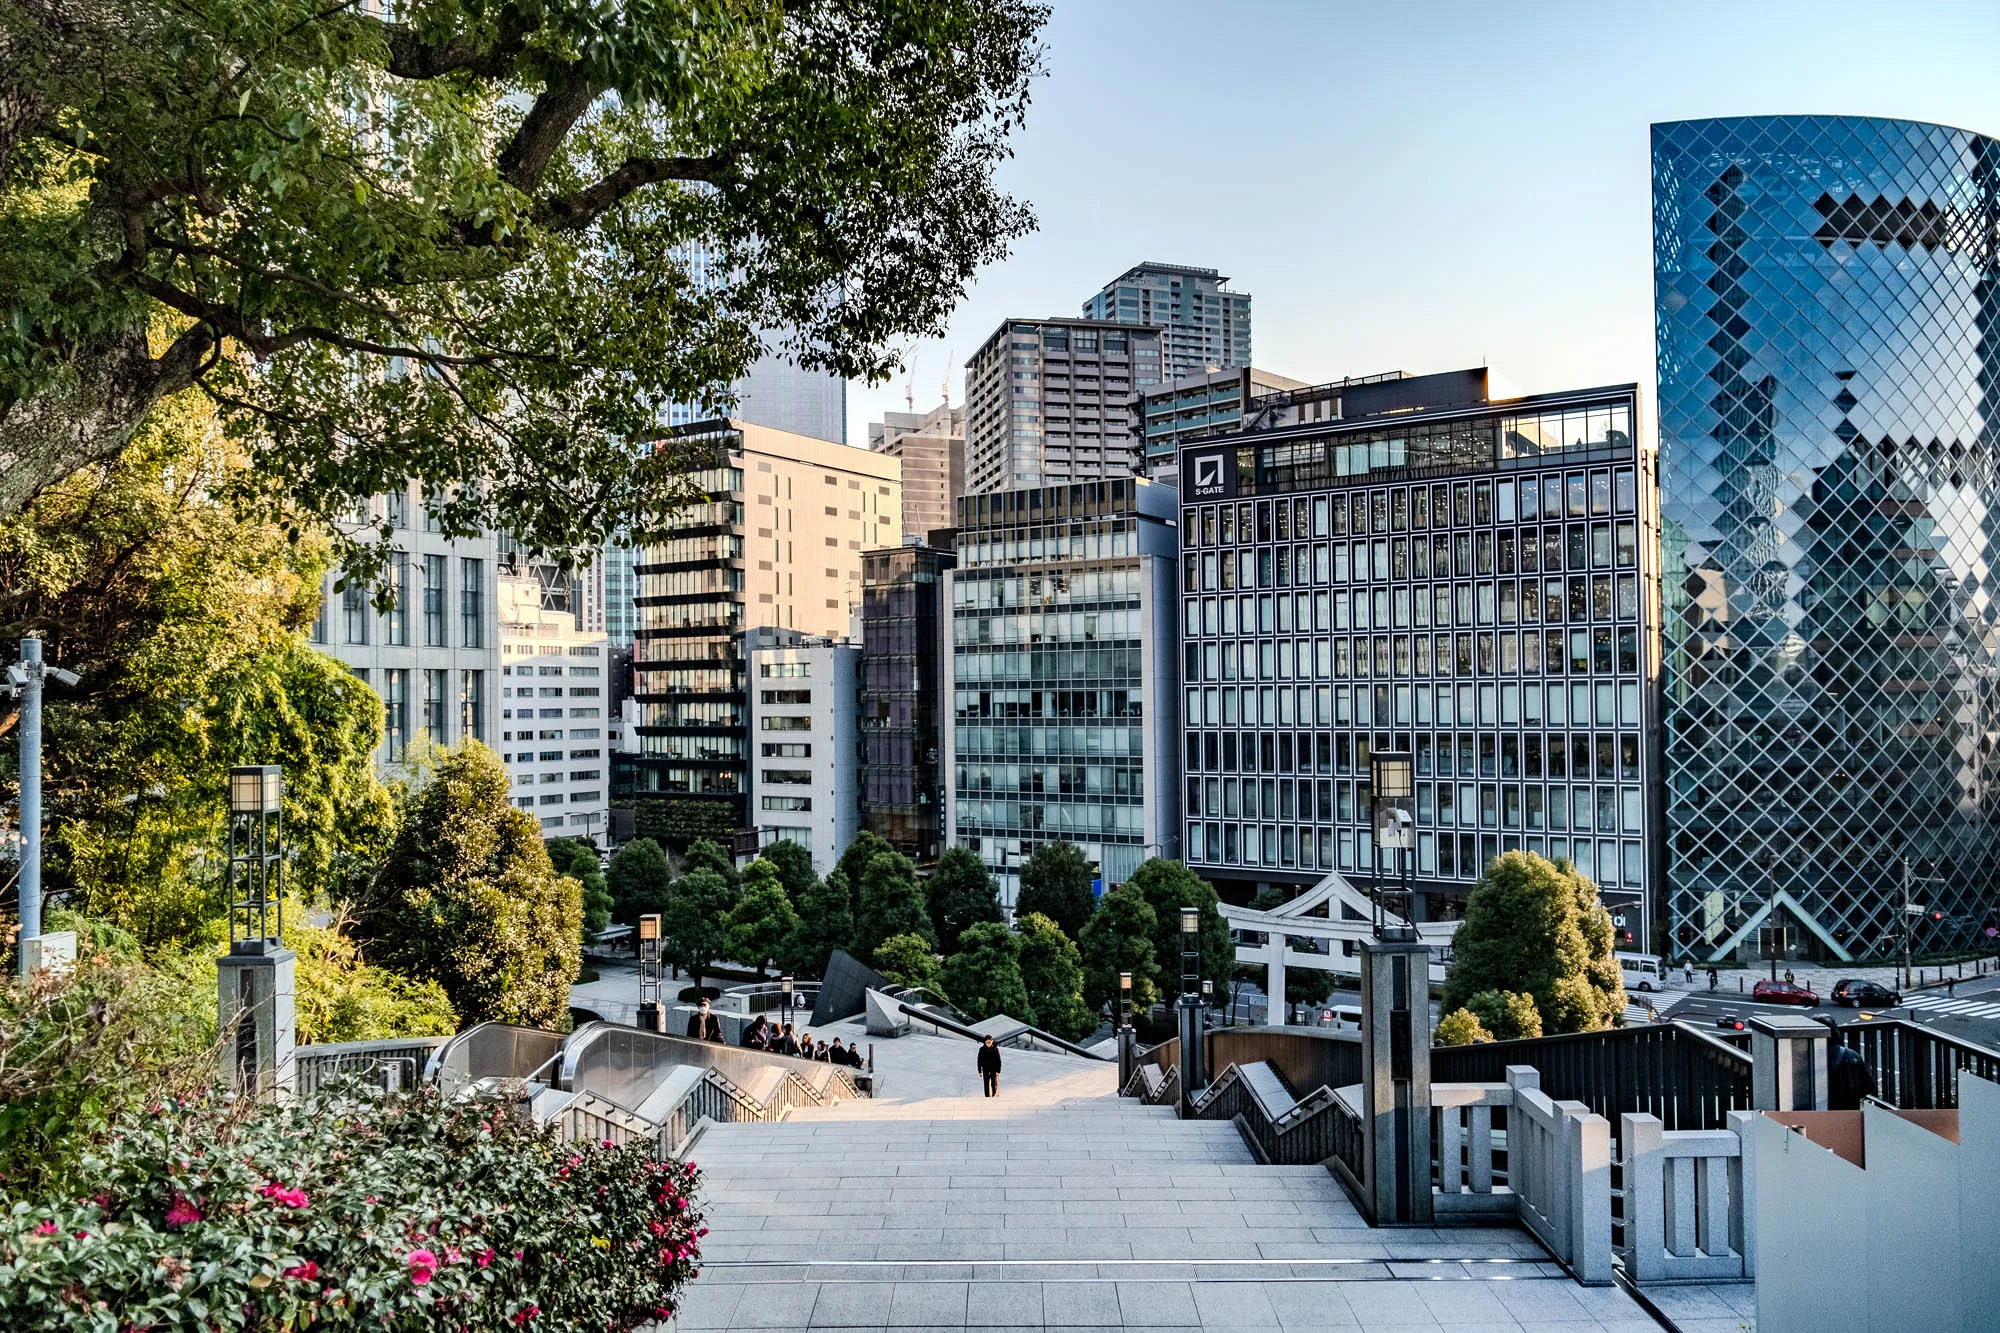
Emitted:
<point x="777" y="545"/>
<point x="932" y="447"/>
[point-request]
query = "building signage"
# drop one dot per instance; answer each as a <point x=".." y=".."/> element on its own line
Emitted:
<point x="1210" y="475"/>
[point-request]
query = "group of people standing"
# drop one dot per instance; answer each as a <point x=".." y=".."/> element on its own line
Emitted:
<point x="764" y="1035"/>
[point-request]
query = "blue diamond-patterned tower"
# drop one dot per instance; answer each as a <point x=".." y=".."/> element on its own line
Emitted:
<point x="1828" y="301"/>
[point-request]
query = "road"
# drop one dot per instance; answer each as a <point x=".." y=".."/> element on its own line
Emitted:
<point x="1971" y="1013"/>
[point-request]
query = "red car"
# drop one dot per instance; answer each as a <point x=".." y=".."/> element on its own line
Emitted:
<point x="1783" y="992"/>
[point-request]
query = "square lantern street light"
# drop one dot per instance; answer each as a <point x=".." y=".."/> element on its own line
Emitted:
<point x="785" y="989"/>
<point x="1124" y="999"/>
<point x="1392" y="785"/>
<point x="255" y="869"/>
<point x="1190" y="949"/>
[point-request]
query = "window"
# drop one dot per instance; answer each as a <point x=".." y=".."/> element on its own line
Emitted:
<point x="399" y="611"/>
<point x="434" y="595"/>
<point x="472" y="704"/>
<point x="788" y="696"/>
<point x="436" y="683"/>
<point x="788" y="777"/>
<point x="788" y="803"/>
<point x="787" y="750"/>
<point x="354" y="612"/>
<point x="319" y="619"/>
<point x="471" y="603"/>
<point x="787" y="724"/>
<point x="396" y="712"/>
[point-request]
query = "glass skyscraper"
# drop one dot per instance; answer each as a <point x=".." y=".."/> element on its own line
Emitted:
<point x="1828" y="306"/>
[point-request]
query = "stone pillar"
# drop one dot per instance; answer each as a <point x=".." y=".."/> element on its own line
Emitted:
<point x="1788" y="1063"/>
<point x="1275" y="1008"/>
<point x="1125" y="1054"/>
<point x="1193" y="1074"/>
<point x="258" y="989"/>
<point x="1396" y="1074"/>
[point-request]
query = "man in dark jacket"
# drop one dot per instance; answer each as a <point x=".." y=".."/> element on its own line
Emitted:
<point x="1848" y="1078"/>
<point x="704" y="1026"/>
<point x="754" y="1036"/>
<point x="989" y="1067"/>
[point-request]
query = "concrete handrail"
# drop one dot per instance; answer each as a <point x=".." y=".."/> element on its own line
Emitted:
<point x="491" y="1050"/>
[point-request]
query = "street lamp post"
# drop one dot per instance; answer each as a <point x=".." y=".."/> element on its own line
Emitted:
<point x="1395" y="1013"/>
<point x="1190" y="1006"/>
<point x="24" y="681"/>
<point x="652" y="1013"/>
<point x="785" y="990"/>
<point x="1124" y="1030"/>
<point x="255" y="989"/>
<point x="1392" y="789"/>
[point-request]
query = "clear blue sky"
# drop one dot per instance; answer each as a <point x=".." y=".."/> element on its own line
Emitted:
<point x="1418" y="186"/>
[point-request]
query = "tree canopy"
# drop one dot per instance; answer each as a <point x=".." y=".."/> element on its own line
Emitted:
<point x="962" y="894"/>
<point x="984" y="977"/>
<point x="480" y="245"/>
<point x="639" y="880"/>
<point x="578" y="858"/>
<point x="907" y="960"/>
<point x="1052" y="977"/>
<point x="826" y="923"/>
<point x="892" y="903"/>
<point x="1535" y="927"/>
<point x="468" y="898"/>
<point x="794" y="865"/>
<point x="762" y="922"/>
<point x="694" y="928"/>
<point x="1055" y="881"/>
<point x="1169" y="886"/>
<point x="1119" y="938"/>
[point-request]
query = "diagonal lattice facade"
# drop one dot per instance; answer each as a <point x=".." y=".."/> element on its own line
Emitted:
<point x="1828" y="307"/>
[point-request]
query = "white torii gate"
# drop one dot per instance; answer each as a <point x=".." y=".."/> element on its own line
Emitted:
<point x="1321" y="913"/>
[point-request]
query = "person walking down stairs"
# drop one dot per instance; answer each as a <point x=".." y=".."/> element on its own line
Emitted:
<point x="989" y="1067"/>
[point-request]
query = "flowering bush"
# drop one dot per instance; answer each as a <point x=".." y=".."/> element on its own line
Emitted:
<point x="357" y="1209"/>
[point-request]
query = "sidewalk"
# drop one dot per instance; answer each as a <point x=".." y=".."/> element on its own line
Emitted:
<point x="1820" y="977"/>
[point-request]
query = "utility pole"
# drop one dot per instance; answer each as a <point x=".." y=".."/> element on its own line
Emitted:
<point x="24" y="679"/>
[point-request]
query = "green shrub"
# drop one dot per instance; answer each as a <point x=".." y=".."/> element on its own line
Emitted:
<point x="354" y="1210"/>
<point x="1460" y="1027"/>
<point x="1508" y="1015"/>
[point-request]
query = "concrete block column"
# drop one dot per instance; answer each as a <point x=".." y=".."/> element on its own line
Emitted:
<point x="256" y="993"/>
<point x="1788" y="1063"/>
<point x="1396" y="1080"/>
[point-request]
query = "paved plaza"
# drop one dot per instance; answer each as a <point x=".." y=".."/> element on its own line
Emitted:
<point x="1060" y="1205"/>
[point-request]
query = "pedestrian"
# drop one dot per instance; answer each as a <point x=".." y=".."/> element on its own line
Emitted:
<point x="1687" y="970"/>
<point x="838" y="1055"/>
<point x="753" y="1036"/>
<point x="704" y="1026"/>
<point x="1788" y="976"/>
<point x="787" y="1044"/>
<point x="1714" y="979"/>
<point x="989" y="1067"/>
<point x="1848" y="1077"/>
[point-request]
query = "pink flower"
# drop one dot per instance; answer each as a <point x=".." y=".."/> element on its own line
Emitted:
<point x="304" y="1272"/>
<point x="452" y="1255"/>
<point x="486" y="1257"/>
<point x="284" y="1196"/>
<point x="523" y="1316"/>
<point x="182" y="1212"/>
<point x="423" y="1266"/>
<point x="46" y="1229"/>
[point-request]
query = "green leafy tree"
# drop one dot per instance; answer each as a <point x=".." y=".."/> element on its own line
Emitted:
<point x="694" y="928"/>
<point x="478" y="245"/>
<point x="1307" y="985"/>
<point x="892" y="903"/>
<point x="1508" y="1015"/>
<point x="826" y="923"/>
<point x="186" y="621"/>
<point x="962" y="894"/>
<point x="795" y="868"/>
<point x="908" y="960"/>
<point x="1169" y="886"/>
<point x="1119" y="938"/>
<point x="1055" y="881"/>
<point x="578" y="858"/>
<point x="1535" y="926"/>
<point x="639" y="880"/>
<point x="762" y="923"/>
<point x="1052" y="976"/>
<point x="342" y="997"/>
<point x="984" y="977"/>
<point x="468" y="898"/>
<point x="705" y="854"/>
<point x="1460" y="1027"/>
<point x="846" y="872"/>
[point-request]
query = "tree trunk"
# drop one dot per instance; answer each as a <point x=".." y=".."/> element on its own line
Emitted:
<point x="89" y="414"/>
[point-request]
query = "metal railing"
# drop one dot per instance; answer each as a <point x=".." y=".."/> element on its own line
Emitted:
<point x="492" y="1050"/>
<point x="1687" y="1078"/>
<point x="1281" y="1138"/>
<point x="314" y="1065"/>
<point x="1916" y="1068"/>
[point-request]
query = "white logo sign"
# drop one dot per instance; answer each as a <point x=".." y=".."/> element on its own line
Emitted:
<point x="1208" y="472"/>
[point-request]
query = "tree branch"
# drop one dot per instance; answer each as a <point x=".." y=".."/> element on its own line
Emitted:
<point x="411" y="57"/>
<point x="574" y="212"/>
<point x="542" y="131"/>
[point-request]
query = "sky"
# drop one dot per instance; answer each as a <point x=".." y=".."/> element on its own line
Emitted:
<point x="1410" y="184"/>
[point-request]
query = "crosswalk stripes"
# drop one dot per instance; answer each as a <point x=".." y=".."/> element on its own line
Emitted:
<point x="1661" y="1003"/>
<point x="1940" y="1004"/>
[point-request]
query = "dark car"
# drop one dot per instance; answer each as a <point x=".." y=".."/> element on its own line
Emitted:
<point x="1856" y="992"/>
<point x="1783" y="992"/>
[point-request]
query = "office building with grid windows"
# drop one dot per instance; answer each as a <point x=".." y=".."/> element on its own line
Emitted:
<point x="1827" y="293"/>
<point x="805" y="749"/>
<point x="902" y="774"/>
<point x="777" y="543"/>
<point x="1204" y="326"/>
<point x="1048" y="401"/>
<point x="434" y="655"/>
<point x="1062" y="644"/>
<point x="1424" y="568"/>
<point x="555" y="735"/>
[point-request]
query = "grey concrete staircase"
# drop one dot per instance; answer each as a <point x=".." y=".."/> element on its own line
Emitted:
<point x="1046" y="1208"/>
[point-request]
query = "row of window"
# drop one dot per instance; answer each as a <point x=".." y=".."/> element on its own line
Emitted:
<point x="1557" y="809"/>
<point x="1460" y="504"/>
<point x="1093" y="818"/>
<point x="1599" y="703"/>
<point x="1580" y="547"/>
<point x="1402" y="657"/>
<point x="1576" y="600"/>
<point x="358" y="614"/>
<point x="1051" y="738"/>
<point x="1607" y="861"/>
<point x="435" y="707"/>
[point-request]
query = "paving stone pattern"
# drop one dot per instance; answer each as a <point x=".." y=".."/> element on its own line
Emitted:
<point x="1045" y="1209"/>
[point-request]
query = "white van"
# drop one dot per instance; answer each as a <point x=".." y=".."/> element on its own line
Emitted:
<point x="1643" y="971"/>
<point x="1340" y="1017"/>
